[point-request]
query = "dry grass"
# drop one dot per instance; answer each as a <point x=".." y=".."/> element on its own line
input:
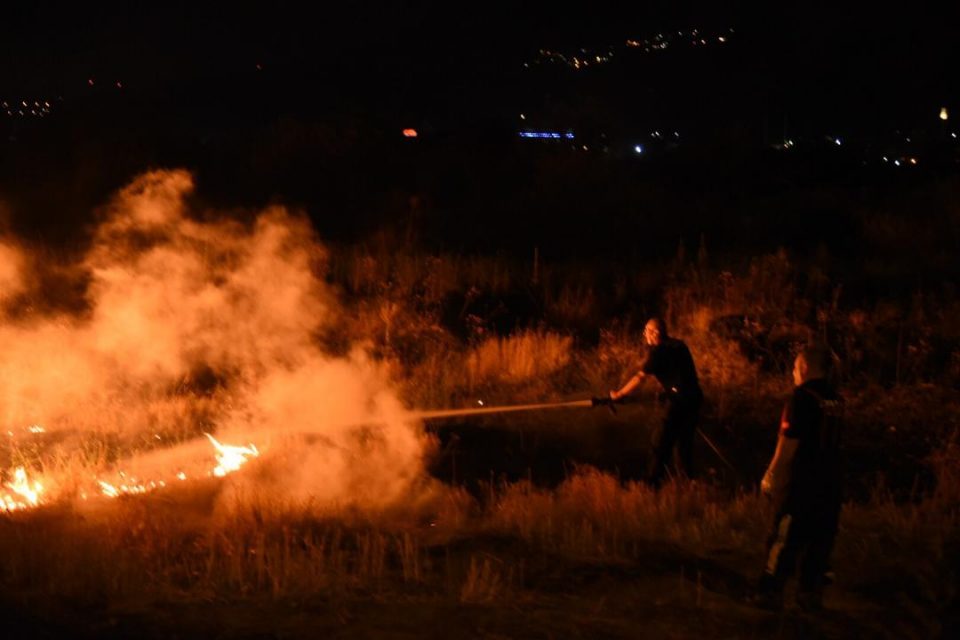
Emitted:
<point x="187" y="544"/>
<point x="687" y="550"/>
<point x="593" y="514"/>
<point x="517" y="358"/>
<point x="183" y="543"/>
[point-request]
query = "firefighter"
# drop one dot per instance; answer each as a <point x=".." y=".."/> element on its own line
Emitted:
<point x="804" y="480"/>
<point x="669" y="361"/>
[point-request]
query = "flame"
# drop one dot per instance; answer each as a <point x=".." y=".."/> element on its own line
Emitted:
<point x="129" y="488"/>
<point x="108" y="489"/>
<point x="30" y="493"/>
<point x="26" y="495"/>
<point x="231" y="458"/>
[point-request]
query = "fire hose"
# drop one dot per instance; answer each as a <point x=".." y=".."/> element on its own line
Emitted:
<point x="601" y="401"/>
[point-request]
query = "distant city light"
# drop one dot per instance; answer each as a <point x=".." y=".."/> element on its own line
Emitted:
<point x="837" y="141"/>
<point x="523" y="117"/>
<point x="409" y="133"/>
<point x="913" y="161"/>
<point x="953" y="135"/>
<point x="638" y="148"/>
<point x="585" y="58"/>
<point x="546" y="135"/>
<point x="896" y="162"/>
<point x="943" y="113"/>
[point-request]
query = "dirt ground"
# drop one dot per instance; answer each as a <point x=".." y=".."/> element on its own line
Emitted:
<point x="663" y="594"/>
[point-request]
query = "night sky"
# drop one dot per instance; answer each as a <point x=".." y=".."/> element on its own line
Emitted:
<point x="407" y="50"/>
<point x="306" y="106"/>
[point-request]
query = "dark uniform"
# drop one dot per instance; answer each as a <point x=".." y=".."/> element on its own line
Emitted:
<point x="808" y="509"/>
<point x="672" y="365"/>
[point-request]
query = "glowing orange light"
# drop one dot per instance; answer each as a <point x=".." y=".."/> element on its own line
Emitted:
<point x="231" y="458"/>
<point x="27" y="493"/>
<point x="108" y="489"/>
<point x="409" y="133"/>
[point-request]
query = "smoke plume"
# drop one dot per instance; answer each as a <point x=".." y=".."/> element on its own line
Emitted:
<point x="198" y="323"/>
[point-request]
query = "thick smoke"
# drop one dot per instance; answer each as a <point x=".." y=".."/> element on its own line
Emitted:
<point x="205" y="325"/>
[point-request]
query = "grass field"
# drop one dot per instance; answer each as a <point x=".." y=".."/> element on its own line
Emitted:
<point x="352" y="518"/>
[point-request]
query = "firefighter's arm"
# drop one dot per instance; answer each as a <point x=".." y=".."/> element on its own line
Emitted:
<point x="775" y="479"/>
<point x="628" y="388"/>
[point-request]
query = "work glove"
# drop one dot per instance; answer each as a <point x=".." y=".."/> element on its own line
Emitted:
<point x="604" y="401"/>
<point x="766" y="485"/>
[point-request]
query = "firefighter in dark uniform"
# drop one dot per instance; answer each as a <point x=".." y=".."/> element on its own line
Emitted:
<point x="804" y="479"/>
<point x="669" y="361"/>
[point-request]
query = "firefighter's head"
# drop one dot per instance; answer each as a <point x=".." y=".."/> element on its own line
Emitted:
<point x="812" y="362"/>
<point x="655" y="331"/>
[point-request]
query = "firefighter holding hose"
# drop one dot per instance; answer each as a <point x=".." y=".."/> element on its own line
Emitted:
<point x="669" y="361"/>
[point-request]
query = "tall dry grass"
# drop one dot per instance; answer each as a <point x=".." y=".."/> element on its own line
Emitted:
<point x="517" y="358"/>
<point x="594" y="514"/>
<point x="181" y="545"/>
<point x="174" y="546"/>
